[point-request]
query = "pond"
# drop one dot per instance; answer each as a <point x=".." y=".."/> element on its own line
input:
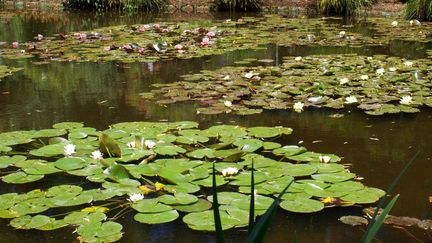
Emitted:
<point x="99" y="94"/>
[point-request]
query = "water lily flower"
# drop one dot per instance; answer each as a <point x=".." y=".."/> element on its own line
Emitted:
<point x="408" y="63"/>
<point x="211" y="34"/>
<point x="83" y="36"/>
<point x="97" y="155"/>
<point x="135" y="197"/>
<point x="227" y="77"/>
<point x="229" y="171"/>
<point x="156" y="26"/>
<point x="298" y="107"/>
<point x="15" y="44"/>
<point x="350" y="100"/>
<point x="107" y="48"/>
<point x="324" y="159"/>
<point x="141" y="50"/>
<point x="392" y="69"/>
<point x="178" y="47"/>
<point x="342" y="34"/>
<point x="131" y="144"/>
<point x="414" y="22"/>
<point x="227" y="103"/>
<point x="107" y="171"/>
<point x="40" y="37"/>
<point x="364" y="77"/>
<point x="406" y="100"/>
<point x="310" y="37"/>
<point x="69" y="149"/>
<point x="250" y="74"/>
<point x="315" y="99"/>
<point x="369" y="58"/>
<point x="298" y="58"/>
<point x="205" y="41"/>
<point x="394" y="23"/>
<point x="380" y="71"/>
<point x="149" y="144"/>
<point x="343" y="81"/>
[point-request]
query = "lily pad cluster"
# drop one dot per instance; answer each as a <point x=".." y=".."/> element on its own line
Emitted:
<point x="7" y="71"/>
<point x="158" y="170"/>
<point x="167" y="40"/>
<point x="376" y="84"/>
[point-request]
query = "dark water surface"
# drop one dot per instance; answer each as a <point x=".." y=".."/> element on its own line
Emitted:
<point x="103" y="94"/>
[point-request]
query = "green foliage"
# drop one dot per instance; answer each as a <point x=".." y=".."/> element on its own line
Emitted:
<point x="370" y="234"/>
<point x="237" y="5"/>
<point x="119" y="5"/>
<point x="342" y="7"/>
<point x="419" y="9"/>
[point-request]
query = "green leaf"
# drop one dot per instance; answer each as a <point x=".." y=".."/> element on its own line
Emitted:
<point x="157" y="218"/>
<point x="109" y="146"/>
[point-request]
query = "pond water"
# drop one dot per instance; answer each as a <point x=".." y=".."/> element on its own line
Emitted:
<point x="100" y="94"/>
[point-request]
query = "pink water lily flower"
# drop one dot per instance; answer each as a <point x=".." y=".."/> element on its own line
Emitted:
<point x="211" y="34"/>
<point x="205" y="41"/>
<point x="15" y="44"/>
<point x="40" y="37"/>
<point x="178" y="47"/>
<point x="165" y="30"/>
<point x="144" y="28"/>
<point x="83" y="36"/>
<point x="156" y="26"/>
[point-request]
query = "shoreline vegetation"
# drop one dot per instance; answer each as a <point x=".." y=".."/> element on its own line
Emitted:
<point x="308" y="7"/>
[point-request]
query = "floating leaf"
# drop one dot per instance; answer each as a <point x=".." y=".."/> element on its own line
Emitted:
<point x="157" y="218"/>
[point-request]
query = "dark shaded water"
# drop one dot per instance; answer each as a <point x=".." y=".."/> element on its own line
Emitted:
<point x="102" y="94"/>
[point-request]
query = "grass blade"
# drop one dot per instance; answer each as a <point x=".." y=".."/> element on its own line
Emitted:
<point x="216" y="215"/>
<point x="370" y="234"/>
<point x="388" y="192"/>
<point x="252" y="202"/>
<point x="257" y="234"/>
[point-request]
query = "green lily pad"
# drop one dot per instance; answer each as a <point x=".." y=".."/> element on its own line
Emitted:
<point x="157" y="218"/>
<point x="71" y="163"/>
<point x="302" y="205"/>
<point x="21" y="178"/>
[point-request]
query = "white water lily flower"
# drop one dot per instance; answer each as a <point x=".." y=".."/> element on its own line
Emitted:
<point x="414" y="22"/>
<point x="298" y="58"/>
<point x="324" y="159"/>
<point x="227" y="103"/>
<point x="229" y="171"/>
<point x="315" y="99"/>
<point x="342" y="34"/>
<point x="380" y="71"/>
<point x="107" y="171"/>
<point x="369" y="58"/>
<point x="96" y="155"/>
<point x="351" y="99"/>
<point x="364" y="77"/>
<point x="131" y="144"/>
<point x="298" y="106"/>
<point x="406" y="100"/>
<point x="392" y="69"/>
<point x="250" y="74"/>
<point x="69" y="149"/>
<point x="343" y="81"/>
<point x="408" y="63"/>
<point x="135" y="197"/>
<point x="227" y="77"/>
<point x="149" y="144"/>
<point x="394" y="23"/>
<point x="310" y="37"/>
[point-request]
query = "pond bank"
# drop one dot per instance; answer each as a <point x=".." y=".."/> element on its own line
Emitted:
<point x="202" y="6"/>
